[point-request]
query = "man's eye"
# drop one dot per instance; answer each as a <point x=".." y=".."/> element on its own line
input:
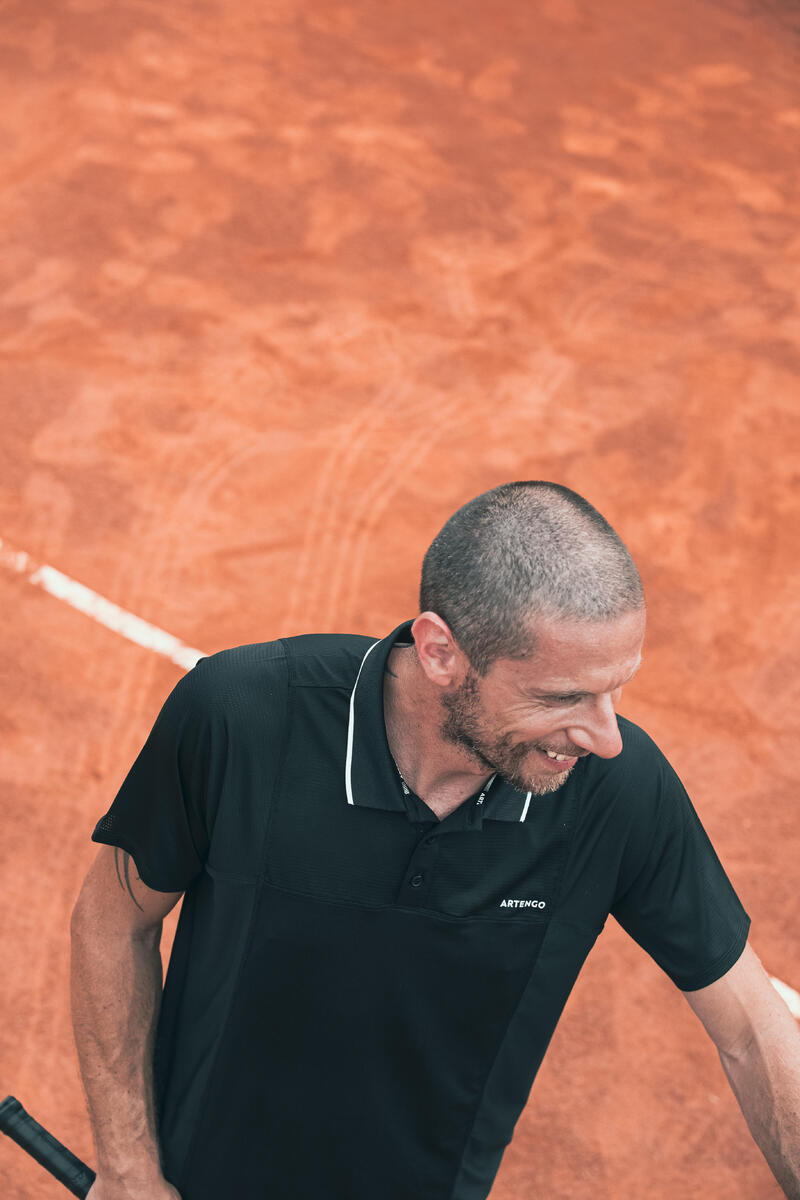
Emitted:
<point x="565" y="699"/>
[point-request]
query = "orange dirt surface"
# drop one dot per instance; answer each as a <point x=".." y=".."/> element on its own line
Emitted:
<point x="281" y="286"/>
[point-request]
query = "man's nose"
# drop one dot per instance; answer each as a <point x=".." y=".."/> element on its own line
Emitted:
<point x="596" y="730"/>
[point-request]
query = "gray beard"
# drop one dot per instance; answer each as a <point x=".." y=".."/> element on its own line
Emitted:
<point x="461" y="728"/>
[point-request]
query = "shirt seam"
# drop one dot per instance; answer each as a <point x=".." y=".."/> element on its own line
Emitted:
<point x="500" y="1043"/>
<point x="229" y="876"/>
<point x="643" y="865"/>
<point x="409" y="908"/>
<point x="339" y="687"/>
<point x="248" y="944"/>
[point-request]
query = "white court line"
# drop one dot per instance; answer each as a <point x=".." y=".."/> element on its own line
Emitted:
<point x="98" y="608"/>
<point x="153" y="638"/>
<point x="789" y="995"/>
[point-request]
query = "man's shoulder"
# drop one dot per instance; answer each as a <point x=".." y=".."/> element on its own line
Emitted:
<point x="640" y="763"/>
<point x="636" y="741"/>
<point x="326" y="659"/>
<point x="311" y="659"/>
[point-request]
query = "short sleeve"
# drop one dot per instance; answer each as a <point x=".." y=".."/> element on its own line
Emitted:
<point x="163" y="813"/>
<point x="676" y="900"/>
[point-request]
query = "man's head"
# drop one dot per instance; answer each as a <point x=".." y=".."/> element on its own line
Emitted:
<point x="532" y="618"/>
<point x="520" y="553"/>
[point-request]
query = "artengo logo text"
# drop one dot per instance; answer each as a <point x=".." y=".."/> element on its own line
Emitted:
<point x="522" y="903"/>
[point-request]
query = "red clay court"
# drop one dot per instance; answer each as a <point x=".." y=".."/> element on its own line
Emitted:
<point x="281" y="286"/>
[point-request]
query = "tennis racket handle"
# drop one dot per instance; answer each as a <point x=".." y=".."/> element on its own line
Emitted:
<point x="47" y="1150"/>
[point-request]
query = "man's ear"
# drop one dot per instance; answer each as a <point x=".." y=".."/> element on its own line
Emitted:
<point x="438" y="652"/>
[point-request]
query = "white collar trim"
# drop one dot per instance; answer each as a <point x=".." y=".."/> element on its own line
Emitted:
<point x="348" y="762"/>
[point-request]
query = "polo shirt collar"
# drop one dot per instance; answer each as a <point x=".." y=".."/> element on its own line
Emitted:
<point x="371" y="777"/>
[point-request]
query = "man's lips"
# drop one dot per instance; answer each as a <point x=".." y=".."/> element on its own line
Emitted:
<point x="556" y="764"/>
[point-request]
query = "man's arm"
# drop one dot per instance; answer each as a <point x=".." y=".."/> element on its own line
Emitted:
<point x="115" y="988"/>
<point x="758" y="1042"/>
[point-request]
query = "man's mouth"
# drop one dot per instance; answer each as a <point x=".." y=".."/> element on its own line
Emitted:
<point x="554" y="760"/>
<point x="559" y="757"/>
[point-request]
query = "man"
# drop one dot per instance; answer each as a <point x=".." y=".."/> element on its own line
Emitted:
<point x="396" y="856"/>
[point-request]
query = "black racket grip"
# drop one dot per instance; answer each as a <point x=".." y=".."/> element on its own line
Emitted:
<point x="47" y="1150"/>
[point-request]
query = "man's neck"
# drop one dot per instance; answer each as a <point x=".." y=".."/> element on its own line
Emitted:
<point x="434" y="768"/>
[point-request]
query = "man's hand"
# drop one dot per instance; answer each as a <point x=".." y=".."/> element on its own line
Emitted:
<point x="154" y="1189"/>
<point x="758" y="1043"/>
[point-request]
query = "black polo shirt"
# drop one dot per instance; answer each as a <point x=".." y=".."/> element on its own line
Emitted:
<point x="359" y="994"/>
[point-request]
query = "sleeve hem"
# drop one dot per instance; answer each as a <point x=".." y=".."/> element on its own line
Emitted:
<point x="720" y="967"/>
<point x="146" y="878"/>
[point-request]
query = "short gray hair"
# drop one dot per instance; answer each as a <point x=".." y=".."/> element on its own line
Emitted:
<point x="519" y="551"/>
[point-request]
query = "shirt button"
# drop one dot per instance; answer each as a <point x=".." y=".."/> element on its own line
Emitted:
<point x="429" y="841"/>
<point x="416" y="880"/>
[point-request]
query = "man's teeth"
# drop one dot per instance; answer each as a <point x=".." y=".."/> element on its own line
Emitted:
<point x="557" y="757"/>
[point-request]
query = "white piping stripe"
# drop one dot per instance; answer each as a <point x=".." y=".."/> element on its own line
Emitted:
<point x="348" y="782"/>
<point x="105" y="612"/>
<point x="525" y="809"/>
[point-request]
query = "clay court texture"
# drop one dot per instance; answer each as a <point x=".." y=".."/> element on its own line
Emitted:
<point x="281" y="286"/>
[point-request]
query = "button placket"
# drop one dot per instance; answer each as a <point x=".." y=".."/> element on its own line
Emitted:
<point x="420" y="867"/>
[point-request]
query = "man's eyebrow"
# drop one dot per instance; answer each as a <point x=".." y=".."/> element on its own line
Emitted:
<point x="565" y="692"/>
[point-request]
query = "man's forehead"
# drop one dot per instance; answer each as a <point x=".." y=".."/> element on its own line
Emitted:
<point x="569" y="654"/>
<point x="536" y="675"/>
<point x="602" y="637"/>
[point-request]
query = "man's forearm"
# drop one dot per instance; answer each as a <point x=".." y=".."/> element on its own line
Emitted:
<point x="115" y="990"/>
<point x="765" y="1078"/>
